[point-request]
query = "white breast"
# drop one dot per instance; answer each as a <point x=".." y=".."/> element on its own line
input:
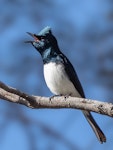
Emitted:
<point x="57" y="81"/>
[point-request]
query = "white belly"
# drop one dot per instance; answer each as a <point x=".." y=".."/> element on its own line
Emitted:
<point x="57" y="81"/>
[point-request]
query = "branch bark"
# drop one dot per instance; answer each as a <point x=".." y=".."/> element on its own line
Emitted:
<point x="16" y="96"/>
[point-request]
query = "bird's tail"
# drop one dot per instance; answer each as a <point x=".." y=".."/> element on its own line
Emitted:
<point x="100" y="135"/>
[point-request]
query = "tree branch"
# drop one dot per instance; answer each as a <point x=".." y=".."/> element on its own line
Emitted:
<point x="15" y="96"/>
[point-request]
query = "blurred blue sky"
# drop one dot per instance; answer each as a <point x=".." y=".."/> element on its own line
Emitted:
<point x="84" y="30"/>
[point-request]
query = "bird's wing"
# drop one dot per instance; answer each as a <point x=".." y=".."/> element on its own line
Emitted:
<point x="72" y="75"/>
<point x="74" y="79"/>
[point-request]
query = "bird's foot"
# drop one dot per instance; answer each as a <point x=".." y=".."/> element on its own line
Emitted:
<point x="66" y="96"/>
<point x="55" y="96"/>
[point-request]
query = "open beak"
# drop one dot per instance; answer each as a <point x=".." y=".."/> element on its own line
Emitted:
<point x="36" y="39"/>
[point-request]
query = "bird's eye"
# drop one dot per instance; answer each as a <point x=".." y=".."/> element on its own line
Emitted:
<point x="42" y="38"/>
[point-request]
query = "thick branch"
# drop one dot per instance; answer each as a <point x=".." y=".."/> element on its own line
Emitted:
<point x="14" y="95"/>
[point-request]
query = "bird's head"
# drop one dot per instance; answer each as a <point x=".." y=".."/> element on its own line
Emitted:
<point x="44" y="40"/>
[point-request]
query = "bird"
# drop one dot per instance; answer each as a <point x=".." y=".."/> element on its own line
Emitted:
<point x="59" y="73"/>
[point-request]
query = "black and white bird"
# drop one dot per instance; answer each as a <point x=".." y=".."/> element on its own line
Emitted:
<point x="59" y="73"/>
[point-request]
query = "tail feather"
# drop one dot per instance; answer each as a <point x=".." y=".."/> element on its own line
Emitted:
<point x="100" y="135"/>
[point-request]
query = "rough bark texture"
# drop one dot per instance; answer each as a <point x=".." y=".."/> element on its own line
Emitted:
<point x="15" y="96"/>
